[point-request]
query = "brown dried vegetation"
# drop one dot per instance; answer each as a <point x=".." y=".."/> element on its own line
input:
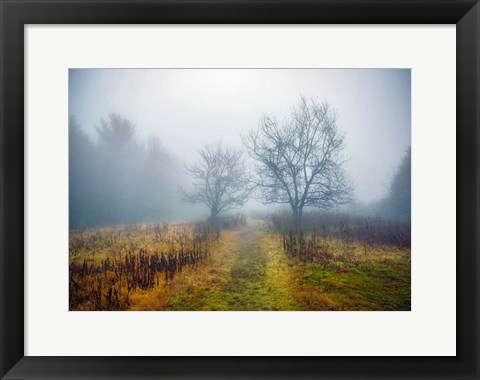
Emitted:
<point x="108" y="265"/>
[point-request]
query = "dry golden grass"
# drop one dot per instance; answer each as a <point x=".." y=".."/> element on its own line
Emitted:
<point x="204" y="289"/>
<point x="110" y="269"/>
<point x="187" y="285"/>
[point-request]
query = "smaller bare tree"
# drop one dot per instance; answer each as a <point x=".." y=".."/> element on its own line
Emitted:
<point x="220" y="180"/>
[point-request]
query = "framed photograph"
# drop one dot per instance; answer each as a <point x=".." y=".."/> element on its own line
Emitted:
<point x="239" y="190"/>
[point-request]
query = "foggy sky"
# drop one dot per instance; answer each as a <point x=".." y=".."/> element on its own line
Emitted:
<point x="187" y="108"/>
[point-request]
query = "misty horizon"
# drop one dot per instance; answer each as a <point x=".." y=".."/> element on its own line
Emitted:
<point x="183" y="110"/>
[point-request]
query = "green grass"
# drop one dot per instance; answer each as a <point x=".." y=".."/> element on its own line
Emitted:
<point x="366" y="287"/>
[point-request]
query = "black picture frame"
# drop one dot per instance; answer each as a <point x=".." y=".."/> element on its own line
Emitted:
<point x="15" y="14"/>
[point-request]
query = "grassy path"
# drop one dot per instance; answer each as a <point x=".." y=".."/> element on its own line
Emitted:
<point x="250" y="274"/>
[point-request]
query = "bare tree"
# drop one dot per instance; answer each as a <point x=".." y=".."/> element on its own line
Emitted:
<point x="220" y="180"/>
<point x="299" y="160"/>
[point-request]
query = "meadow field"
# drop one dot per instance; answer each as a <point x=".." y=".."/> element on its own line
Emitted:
<point x="326" y="262"/>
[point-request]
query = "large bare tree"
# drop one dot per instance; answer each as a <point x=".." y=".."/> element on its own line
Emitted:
<point x="220" y="180"/>
<point x="299" y="160"/>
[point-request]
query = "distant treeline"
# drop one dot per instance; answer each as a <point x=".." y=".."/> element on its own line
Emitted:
<point x="118" y="179"/>
<point x="397" y="204"/>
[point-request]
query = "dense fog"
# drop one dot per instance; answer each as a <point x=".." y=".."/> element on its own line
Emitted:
<point x="137" y="138"/>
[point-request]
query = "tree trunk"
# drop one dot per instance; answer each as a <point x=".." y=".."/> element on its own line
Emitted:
<point x="297" y="213"/>
<point x="213" y="216"/>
